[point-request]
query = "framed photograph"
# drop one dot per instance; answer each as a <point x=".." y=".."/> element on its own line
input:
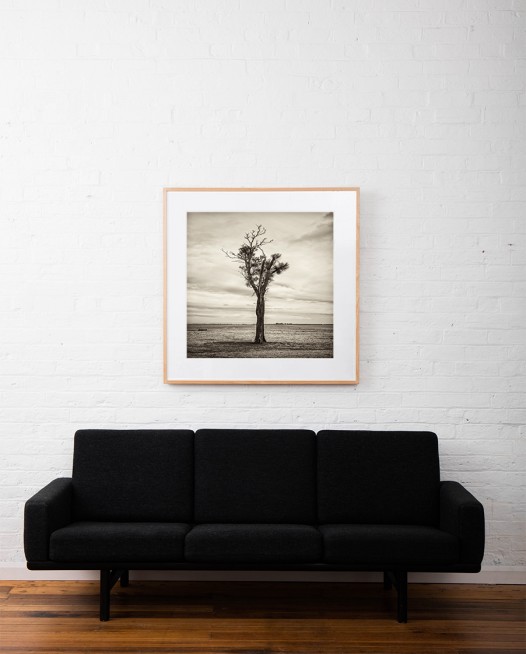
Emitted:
<point x="261" y="285"/>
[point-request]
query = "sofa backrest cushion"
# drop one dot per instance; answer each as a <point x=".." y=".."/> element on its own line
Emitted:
<point x="133" y="475"/>
<point x="375" y="477"/>
<point x="255" y="476"/>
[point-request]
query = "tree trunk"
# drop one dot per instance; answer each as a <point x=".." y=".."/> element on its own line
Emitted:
<point x="260" y="321"/>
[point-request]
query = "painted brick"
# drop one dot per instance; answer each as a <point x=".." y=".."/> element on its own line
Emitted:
<point x="417" y="101"/>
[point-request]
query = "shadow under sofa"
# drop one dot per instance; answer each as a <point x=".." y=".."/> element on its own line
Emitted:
<point x="269" y="499"/>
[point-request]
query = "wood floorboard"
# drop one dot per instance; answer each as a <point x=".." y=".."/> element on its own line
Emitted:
<point x="43" y="617"/>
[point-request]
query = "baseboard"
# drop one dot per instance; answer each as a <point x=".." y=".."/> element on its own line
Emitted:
<point x="500" y="575"/>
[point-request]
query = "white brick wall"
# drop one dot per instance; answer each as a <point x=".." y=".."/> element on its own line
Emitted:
<point x="418" y="102"/>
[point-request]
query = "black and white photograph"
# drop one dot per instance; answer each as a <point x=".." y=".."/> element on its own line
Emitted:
<point x="260" y="284"/>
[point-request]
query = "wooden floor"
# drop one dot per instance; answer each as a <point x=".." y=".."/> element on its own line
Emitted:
<point x="248" y="617"/>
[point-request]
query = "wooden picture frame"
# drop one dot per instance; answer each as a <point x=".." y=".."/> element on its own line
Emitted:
<point x="233" y="255"/>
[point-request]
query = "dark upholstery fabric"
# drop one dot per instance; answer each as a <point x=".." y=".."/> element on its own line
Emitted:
<point x="263" y="476"/>
<point x="254" y="543"/>
<point x="47" y="510"/>
<point x="462" y="514"/>
<point x="372" y="477"/>
<point x="118" y="541"/>
<point x="382" y="544"/>
<point x="133" y="475"/>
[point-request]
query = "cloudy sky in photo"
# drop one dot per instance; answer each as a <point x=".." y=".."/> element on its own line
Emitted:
<point x="216" y="289"/>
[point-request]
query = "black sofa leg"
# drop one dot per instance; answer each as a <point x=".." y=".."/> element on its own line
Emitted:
<point x="401" y="587"/>
<point x="105" y="590"/>
<point x="398" y="579"/>
<point x="108" y="579"/>
<point x="125" y="578"/>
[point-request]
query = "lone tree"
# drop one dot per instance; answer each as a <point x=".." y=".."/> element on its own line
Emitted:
<point x="258" y="270"/>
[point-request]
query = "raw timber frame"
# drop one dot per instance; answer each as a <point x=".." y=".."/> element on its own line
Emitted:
<point x="343" y="368"/>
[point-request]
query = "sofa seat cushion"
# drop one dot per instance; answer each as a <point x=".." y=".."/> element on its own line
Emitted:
<point x="383" y="544"/>
<point x="253" y="543"/>
<point x="119" y="541"/>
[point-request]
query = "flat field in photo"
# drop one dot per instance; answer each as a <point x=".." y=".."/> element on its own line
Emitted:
<point x="237" y="341"/>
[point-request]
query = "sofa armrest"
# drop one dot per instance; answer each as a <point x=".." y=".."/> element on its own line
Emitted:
<point x="47" y="510"/>
<point x="462" y="515"/>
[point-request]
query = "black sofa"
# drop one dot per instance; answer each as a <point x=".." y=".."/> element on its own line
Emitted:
<point x="254" y="500"/>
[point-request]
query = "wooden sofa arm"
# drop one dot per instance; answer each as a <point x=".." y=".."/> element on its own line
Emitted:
<point x="47" y="510"/>
<point x="462" y="515"/>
